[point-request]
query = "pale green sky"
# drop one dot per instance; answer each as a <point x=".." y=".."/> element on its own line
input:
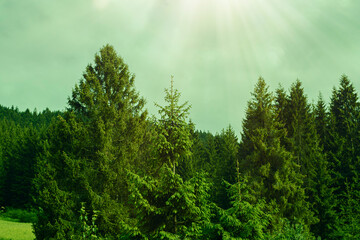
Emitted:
<point x="216" y="49"/>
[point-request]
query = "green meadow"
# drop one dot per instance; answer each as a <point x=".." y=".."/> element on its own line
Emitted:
<point x="15" y="230"/>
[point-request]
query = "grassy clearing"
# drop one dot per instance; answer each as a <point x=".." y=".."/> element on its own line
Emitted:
<point x="15" y="230"/>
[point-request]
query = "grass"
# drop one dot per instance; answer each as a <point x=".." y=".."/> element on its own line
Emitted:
<point x="15" y="230"/>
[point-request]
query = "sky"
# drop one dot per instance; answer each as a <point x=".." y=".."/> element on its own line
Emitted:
<point x="216" y="50"/>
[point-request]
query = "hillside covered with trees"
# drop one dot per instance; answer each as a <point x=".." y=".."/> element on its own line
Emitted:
<point x="104" y="168"/>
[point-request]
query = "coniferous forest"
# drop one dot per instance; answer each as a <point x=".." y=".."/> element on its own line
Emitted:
<point x="105" y="169"/>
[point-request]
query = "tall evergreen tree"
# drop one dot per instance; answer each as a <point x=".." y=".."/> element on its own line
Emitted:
<point x="174" y="131"/>
<point x="281" y="108"/>
<point x="302" y="132"/>
<point x="281" y="102"/>
<point x="344" y="145"/>
<point x="89" y="150"/>
<point x="306" y="148"/>
<point x="272" y="171"/>
<point x="321" y="120"/>
<point x="165" y="206"/>
<point x="225" y="166"/>
<point x="204" y="151"/>
<point x="344" y="157"/>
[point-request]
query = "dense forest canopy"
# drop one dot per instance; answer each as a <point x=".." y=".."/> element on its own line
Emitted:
<point x="293" y="174"/>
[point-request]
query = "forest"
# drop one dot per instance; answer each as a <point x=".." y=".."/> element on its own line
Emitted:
<point x="105" y="169"/>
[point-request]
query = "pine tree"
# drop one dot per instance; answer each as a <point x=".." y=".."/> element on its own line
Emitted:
<point x="281" y="105"/>
<point x="272" y="171"/>
<point x="304" y="144"/>
<point x="344" y="145"/>
<point x="190" y="165"/>
<point x="90" y="149"/>
<point x="302" y="132"/>
<point x="322" y="191"/>
<point x="225" y="166"/>
<point x="59" y="181"/>
<point x="204" y="151"/>
<point x="343" y="154"/>
<point x="321" y="120"/>
<point x="245" y="219"/>
<point x="174" y="132"/>
<point x="283" y="115"/>
<point x="165" y="206"/>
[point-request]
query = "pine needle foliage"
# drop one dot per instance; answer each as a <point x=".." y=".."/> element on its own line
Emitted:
<point x="174" y="138"/>
<point x="344" y="158"/>
<point x="271" y="170"/>
<point x="89" y="149"/>
<point x="166" y="206"/>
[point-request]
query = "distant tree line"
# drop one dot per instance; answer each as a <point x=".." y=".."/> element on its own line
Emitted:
<point x="20" y="134"/>
<point x="294" y="174"/>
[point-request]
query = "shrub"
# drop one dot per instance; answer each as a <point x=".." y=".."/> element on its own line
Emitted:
<point x="19" y="215"/>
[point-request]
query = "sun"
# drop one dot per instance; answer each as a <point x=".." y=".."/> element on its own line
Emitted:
<point x="101" y="4"/>
<point x="241" y="33"/>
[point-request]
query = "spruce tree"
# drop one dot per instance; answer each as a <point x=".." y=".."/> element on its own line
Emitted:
<point x="271" y="170"/>
<point x="302" y="133"/>
<point x="281" y="105"/>
<point x="344" y="142"/>
<point x="344" y="154"/>
<point x="166" y="206"/>
<point x="89" y="150"/>
<point x="225" y="166"/>
<point x="245" y="219"/>
<point x="322" y="190"/>
<point x="281" y="108"/>
<point x="304" y="143"/>
<point x="174" y="132"/>
<point x="321" y="120"/>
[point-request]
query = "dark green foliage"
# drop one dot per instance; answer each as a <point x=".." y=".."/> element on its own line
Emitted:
<point x="10" y="134"/>
<point x="19" y="215"/>
<point x="247" y="218"/>
<point x="224" y="166"/>
<point x="20" y="133"/>
<point x="291" y="232"/>
<point x="174" y="138"/>
<point x="103" y="169"/>
<point x="27" y="118"/>
<point x="166" y="206"/>
<point x="207" y="152"/>
<point x="88" y="151"/>
<point x="281" y="105"/>
<point x="304" y="143"/>
<point x="321" y="121"/>
<point x="20" y="170"/>
<point x="60" y="182"/>
<point x="272" y="171"/>
<point x="343" y="153"/>
<point x="348" y="222"/>
<point x="344" y="138"/>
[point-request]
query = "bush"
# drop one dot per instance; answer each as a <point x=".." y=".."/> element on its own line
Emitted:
<point x="19" y="215"/>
